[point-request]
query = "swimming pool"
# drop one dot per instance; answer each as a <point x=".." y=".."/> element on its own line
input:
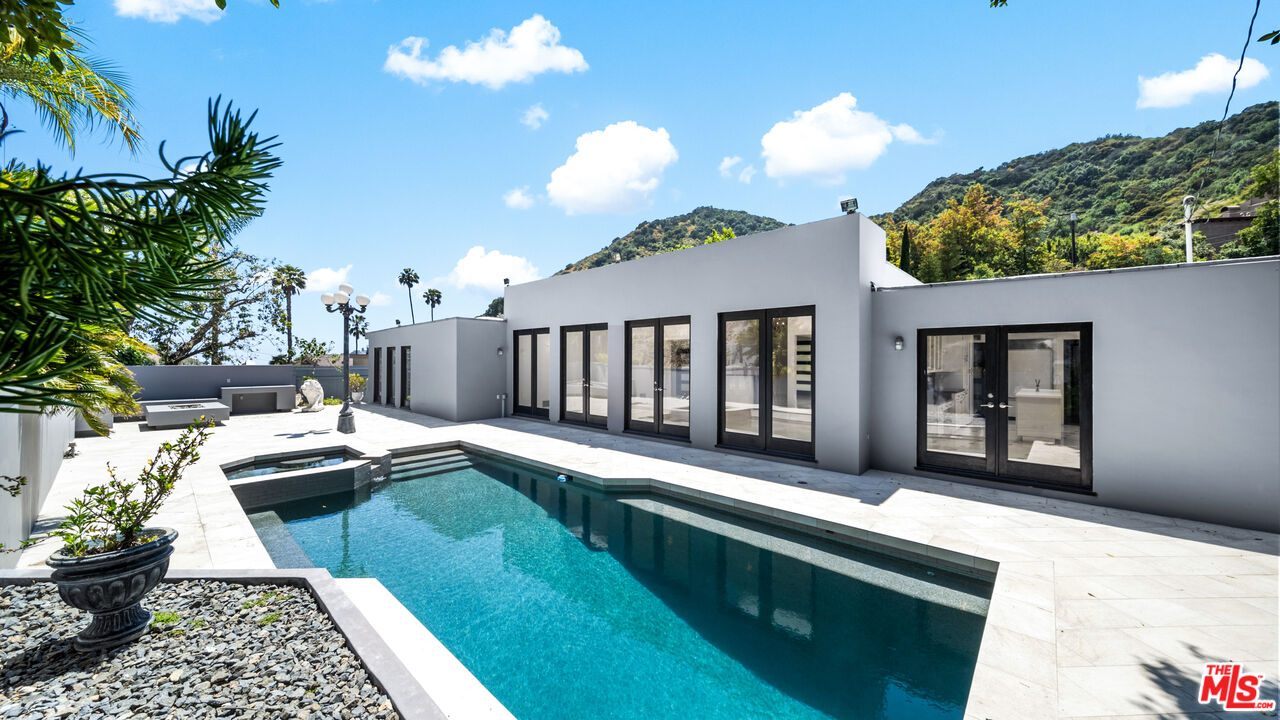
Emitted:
<point x="567" y="602"/>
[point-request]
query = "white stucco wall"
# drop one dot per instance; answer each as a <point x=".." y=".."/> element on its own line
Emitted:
<point x="455" y="372"/>
<point x="31" y="445"/>
<point x="819" y="264"/>
<point x="1186" y="378"/>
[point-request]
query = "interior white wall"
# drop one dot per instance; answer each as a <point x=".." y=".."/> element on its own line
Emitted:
<point x="1186" y="385"/>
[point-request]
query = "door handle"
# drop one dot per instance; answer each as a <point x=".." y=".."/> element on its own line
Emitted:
<point x="1002" y="406"/>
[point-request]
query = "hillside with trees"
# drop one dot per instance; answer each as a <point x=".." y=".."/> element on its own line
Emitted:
<point x="1121" y="184"/>
<point x="674" y="233"/>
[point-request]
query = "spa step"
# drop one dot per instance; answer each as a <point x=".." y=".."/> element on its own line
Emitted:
<point x="416" y="461"/>
<point x="425" y="455"/>
<point x="429" y="470"/>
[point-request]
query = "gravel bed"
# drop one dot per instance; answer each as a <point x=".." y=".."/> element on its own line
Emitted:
<point x="215" y="650"/>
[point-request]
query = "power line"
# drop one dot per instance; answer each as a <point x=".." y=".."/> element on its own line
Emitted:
<point x="1217" y="133"/>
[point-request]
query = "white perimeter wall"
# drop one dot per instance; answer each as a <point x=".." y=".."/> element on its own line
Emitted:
<point x="816" y="264"/>
<point x="1186" y="378"/>
<point x="30" y="446"/>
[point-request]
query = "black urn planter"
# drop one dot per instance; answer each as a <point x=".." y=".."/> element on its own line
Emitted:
<point x="111" y="586"/>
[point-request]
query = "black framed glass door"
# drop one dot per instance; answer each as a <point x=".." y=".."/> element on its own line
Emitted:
<point x="390" y="398"/>
<point x="1007" y="402"/>
<point x="377" y="375"/>
<point x="532" y="365"/>
<point x="404" y="375"/>
<point x="766" y="380"/>
<point x="584" y="369"/>
<point x="657" y="376"/>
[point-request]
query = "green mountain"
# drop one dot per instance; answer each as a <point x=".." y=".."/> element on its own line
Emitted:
<point x="659" y="236"/>
<point x="1121" y="183"/>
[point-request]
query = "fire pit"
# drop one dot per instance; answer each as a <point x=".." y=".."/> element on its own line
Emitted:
<point x="181" y="414"/>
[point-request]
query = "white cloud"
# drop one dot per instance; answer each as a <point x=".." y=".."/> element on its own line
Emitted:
<point x="518" y="198"/>
<point x="486" y="270"/>
<point x="380" y="299"/>
<point x="829" y="140"/>
<point x="726" y="165"/>
<point x="325" y="279"/>
<point x="168" y="11"/>
<point x="612" y="170"/>
<point x="531" y="48"/>
<point x="1211" y="75"/>
<point x="747" y="173"/>
<point x="910" y="135"/>
<point x="534" y="116"/>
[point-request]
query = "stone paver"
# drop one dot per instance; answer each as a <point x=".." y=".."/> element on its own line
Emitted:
<point x="1096" y="612"/>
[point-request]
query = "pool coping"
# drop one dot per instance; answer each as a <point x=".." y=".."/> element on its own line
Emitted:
<point x="383" y="665"/>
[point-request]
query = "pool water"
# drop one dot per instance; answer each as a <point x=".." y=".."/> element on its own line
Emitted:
<point x="270" y="467"/>
<point x="567" y="602"/>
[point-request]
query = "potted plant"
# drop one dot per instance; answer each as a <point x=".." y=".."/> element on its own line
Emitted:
<point x="110" y="559"/>
<point x="357" y="387"/>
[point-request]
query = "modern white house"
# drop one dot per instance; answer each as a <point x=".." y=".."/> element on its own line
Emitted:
<point x="1153" y="388"/>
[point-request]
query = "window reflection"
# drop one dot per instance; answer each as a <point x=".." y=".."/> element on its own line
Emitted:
<point x="954" y="393"/>
<point x="793" y="378"/>
<point x="742" y="376"/>
<point x="1044" y="398"/>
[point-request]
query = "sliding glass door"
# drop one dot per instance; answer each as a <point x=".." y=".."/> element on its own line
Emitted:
<point x="1010" y="403"/>
<point x="532" y="365"/>
<point x="766" y="380"/>
<point x="584" y="367"/>
<point x="658" y="376"/>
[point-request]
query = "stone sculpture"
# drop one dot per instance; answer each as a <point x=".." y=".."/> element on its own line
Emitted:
<point x="313" y="393"/>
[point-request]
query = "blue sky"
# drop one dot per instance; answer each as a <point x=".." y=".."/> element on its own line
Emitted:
<point x="413" y="162"/>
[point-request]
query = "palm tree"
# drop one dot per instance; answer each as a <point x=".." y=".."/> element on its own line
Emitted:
<point x="409" y="278"/>
<point x="290" y="280"/>
<point x="70" y="93"/>
<point x="432" y="298"/>
<point x="359" y="329"/>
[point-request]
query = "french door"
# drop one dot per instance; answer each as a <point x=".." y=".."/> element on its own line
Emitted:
<point x="766" y="380"/>
<point x="533" y="362"/>
<point x="584" y="368"/>
<point x="1007" y="402"/>
<point x="658" y="376"/>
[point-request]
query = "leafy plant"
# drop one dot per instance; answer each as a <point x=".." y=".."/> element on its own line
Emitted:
<point x="358" y="383"/>
<point x="108" y="249"/>
<point x="332" y="401"/>
<point x="112" y="516"/>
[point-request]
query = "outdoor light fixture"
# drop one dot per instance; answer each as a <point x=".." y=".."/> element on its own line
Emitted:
<point x="501" y="352"/>
<point x="341" y="302"/>
<point x="899" y="343"/>
<point x="849" y="206"/>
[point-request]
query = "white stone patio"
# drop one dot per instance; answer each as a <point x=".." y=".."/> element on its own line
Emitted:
<point x="1095" y="613"/>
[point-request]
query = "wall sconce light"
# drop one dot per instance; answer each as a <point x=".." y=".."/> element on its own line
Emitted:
<point x="501" y="352"/>
<point x="899" y="343"/>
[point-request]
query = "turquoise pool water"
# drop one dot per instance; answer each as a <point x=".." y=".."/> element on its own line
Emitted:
<point x="570" y="603"/>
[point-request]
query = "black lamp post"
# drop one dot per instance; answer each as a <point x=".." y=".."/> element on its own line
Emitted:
<point x="342" y="298"/>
